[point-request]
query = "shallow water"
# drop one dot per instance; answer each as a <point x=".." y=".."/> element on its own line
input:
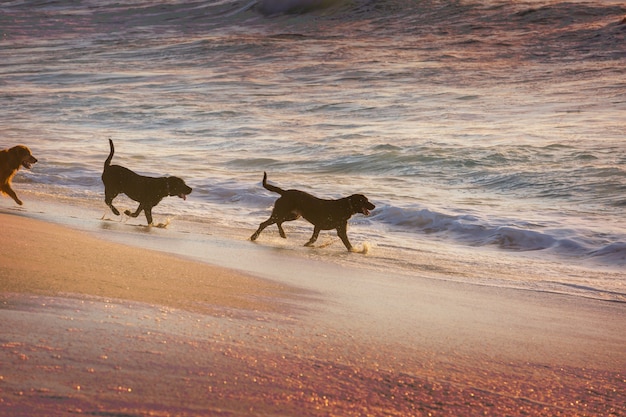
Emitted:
<point x="489" y="135"/>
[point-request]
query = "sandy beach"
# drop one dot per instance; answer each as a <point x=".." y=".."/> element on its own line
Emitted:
<point x="92" y="327"/>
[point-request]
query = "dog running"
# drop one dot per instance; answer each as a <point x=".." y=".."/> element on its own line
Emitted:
<point x="10" y="162"/>
<point x="322" y="214"/>
<point x="148" y="191"/>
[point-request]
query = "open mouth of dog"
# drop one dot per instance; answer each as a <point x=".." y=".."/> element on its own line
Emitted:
<point x="366" y="210"/>
<point x="28" y="164"/>
<point x="183" y="196"/>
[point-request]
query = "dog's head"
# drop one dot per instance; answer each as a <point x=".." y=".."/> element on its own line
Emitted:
<point x="360" y="204"/>
<point x="22" y="156"/>
<point x="177" y="187"/>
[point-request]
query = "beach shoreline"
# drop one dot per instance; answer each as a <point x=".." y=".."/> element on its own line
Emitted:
<point x="91" y="324"/>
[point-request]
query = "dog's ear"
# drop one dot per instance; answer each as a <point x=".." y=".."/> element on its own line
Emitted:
<point x="17" y="154"/>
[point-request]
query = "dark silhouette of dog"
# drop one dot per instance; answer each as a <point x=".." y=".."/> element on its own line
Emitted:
<point x="11" y="160"/>
<point x="148" y="191"/>
<point x="322" y="214"/>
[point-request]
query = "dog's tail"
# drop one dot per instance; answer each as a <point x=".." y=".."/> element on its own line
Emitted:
<point x="108" y="160"/>
<point x="271" y="187"/>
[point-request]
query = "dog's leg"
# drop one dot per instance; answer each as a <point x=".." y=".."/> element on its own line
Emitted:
<point x="316" y="233"/>
<point x="280" y="214"/>
<point x="108" y="199"/>
<point x="342" y="232"/>
<point x="262" y="226"/>
<point x="148" y="212"/>
<point x="9" y="191"/>
<point x="283" y="212"/>
<point x="281" y="231"/>
<point x="136" y="213"/>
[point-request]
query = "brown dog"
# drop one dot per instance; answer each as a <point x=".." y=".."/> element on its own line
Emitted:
<point x="10" y="162"/>
<point x="323" y="214"/>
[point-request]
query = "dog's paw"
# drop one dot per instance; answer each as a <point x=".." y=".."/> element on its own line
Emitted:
<point x="162" y="225"/>
<point x="364" y="250"/>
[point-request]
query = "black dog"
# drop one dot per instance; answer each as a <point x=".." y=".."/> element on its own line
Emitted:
<point x="323" y="214"/>
<point x="148" y="191"/>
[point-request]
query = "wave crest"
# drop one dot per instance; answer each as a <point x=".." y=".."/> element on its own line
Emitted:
<point x="472" y="230"/>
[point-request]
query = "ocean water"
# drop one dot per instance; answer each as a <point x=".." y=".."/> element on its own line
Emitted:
<point x="489" y="134"/>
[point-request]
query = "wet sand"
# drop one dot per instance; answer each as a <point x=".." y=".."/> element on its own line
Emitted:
<point x="91" y="327"/>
